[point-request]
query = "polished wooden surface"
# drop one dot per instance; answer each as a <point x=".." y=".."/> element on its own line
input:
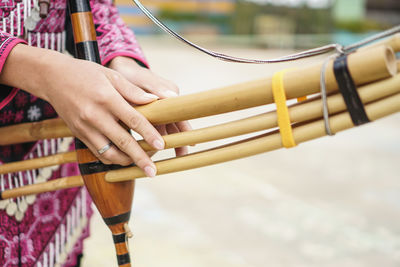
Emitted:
<point x="111" y="200"/>
<point x="82" y="22"/>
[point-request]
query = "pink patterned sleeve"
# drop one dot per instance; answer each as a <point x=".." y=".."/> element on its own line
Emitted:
<point x="114" y="37"/>
<point x="7" y="43"/>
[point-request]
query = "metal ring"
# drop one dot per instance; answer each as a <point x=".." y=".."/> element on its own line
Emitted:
<point x="105" y="148"/>
<point x="325" y="110"/>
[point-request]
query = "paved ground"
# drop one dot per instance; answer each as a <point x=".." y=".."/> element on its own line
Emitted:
<point x="331" y="202"/>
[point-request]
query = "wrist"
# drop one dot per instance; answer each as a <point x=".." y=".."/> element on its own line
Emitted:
<point x="50" y="67"/>
<point x="27" y="68"/>
<point x="120" y="61"/>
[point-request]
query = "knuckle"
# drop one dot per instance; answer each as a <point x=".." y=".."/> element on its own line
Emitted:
<point x="105" y="160"/>
<point x="111" y="156"/>
<point x="87" y="113"/>
<point x="115" y="76"/>
<point x="124" y="142"/>
<point x="125" y="162"/>
<point x="77" y="127"/>
<point x="142" y="162"/>
<point x="136" y="122"/>
<point x="103" y="96"/>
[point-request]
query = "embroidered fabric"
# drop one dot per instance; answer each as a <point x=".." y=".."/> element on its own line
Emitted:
<point x="47" y="229"/>
<point x="17" y="207"/>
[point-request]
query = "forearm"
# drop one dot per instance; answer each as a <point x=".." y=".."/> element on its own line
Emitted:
<point x="26" y="67"/>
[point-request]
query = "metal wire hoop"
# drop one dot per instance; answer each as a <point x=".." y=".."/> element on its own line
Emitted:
<point x="296" y="56"/>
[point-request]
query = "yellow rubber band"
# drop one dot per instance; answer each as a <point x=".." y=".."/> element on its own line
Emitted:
<point x="282" y="111"/>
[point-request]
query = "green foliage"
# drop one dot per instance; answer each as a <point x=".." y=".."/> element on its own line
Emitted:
<point x="201" y="17"/>
<point x="243" y="17"/>
<point x="360" y="26"/>
<point x="307" y="20"/>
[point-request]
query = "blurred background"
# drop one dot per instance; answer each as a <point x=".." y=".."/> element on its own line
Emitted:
<point x="268" y="23"/>
<point x="334" y="201"/>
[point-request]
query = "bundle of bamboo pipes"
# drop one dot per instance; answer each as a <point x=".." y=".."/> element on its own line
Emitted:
<point x="373" y="69"/>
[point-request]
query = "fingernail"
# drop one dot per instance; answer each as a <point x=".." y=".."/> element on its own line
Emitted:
<point x="150" y="171"/>
<point x="151" y="96"/>
<point x="170" y="94"/>
<point x="158" y="144"/>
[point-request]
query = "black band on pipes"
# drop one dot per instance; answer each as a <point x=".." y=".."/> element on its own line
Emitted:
<point x="349" y="92"/>
<point x="98" y="166"/>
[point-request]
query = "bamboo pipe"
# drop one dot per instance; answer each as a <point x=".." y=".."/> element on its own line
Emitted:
<point x="49" y="186"/>
<point x="313" y="130"/>
<point x="36" y="163"/>
<point x="365" y="66"/>
<point x="271" y="142"/>
<point x="301" y="112"/>
<point x="33" y="131"/>
<point x="53" y="185"/>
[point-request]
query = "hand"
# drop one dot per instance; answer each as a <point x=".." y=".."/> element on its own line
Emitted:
<point x="90" y="98"/>
<point x="152" y="83"/>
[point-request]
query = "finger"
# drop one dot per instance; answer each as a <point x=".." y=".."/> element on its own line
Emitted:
<point x="183" y="126"/>
<point x="161" y="129"/>
<point x="151" y="153"/>
<point x="137" y="122"/>
<point x="127" y="144"/>
<point x="179" y="151"/>
<point x="93" y="149"/>
<point x="155" y="84"/>
<point x="98" y="141"/>
<point x="129" y="91"/>
<point x="162" y="90"/>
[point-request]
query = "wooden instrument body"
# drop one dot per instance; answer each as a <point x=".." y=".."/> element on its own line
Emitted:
<point x="114" y="201"/>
